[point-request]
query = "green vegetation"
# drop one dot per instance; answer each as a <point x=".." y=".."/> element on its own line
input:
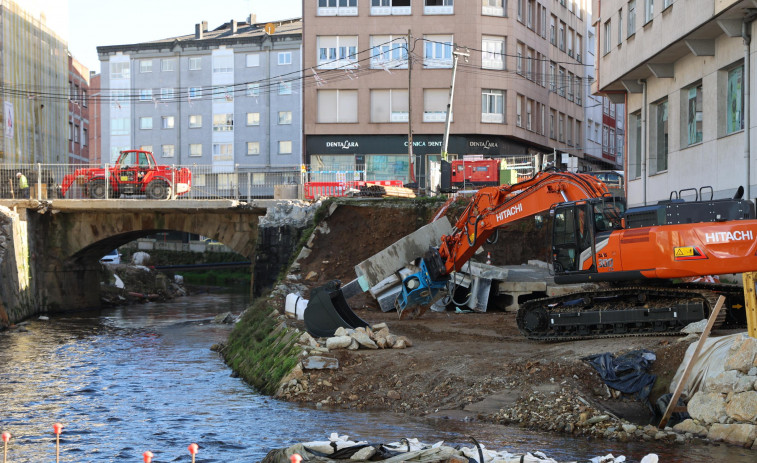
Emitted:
<point x="217" y="277"/>
<point x="261" y="351"/>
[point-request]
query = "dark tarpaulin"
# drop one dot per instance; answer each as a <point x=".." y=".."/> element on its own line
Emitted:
<point x="626" y="373"/>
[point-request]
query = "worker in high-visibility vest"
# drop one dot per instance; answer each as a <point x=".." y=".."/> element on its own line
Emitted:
<point x="23" y="186"/>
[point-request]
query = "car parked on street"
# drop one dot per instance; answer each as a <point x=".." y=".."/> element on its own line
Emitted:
<point x="113" y="257"/>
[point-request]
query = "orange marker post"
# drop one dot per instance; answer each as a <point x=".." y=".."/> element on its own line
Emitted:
<point x="57" y="428"/>
<point x="6" y="438"/>
<point x="193" y="449"/>
<point x="147" y="456"/>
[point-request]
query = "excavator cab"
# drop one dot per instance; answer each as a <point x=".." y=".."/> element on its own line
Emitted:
<point x="577" y="226"/>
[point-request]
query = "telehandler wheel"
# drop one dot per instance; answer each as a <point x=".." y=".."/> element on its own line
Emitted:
<point x="157" y="189"/>
<point x="96" y="189"/>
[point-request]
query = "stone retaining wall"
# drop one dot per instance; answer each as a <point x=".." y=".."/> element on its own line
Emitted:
<point x="725" y="409"/>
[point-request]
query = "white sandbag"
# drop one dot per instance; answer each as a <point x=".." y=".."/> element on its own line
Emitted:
<point x="709" y="364"/>
<point x="295" y="306"/>
<point x="140" y="258"/>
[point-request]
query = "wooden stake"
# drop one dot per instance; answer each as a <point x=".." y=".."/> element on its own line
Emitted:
<point x="750" y="301"/>
<point x="690" y="365"/>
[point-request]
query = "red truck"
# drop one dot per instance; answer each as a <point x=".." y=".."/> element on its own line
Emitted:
<point x="134" y="173"/>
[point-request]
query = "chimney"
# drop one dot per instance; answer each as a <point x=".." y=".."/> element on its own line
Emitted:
<point x="198" y="31"/>
<point x="204" y="26"/>
<point x="252" y="19"/>
<point x="233" y="26"/>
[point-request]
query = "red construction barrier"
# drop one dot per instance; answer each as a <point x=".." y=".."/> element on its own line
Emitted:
<point x="313" y="190"/>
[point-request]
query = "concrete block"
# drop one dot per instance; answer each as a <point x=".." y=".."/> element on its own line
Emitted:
<point x="379" y="266"/>
<point x="318" y="362"/>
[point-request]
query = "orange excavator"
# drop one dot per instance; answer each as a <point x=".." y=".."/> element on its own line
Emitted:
<point x="639" y="255"/>
<point x="594" y="239"/>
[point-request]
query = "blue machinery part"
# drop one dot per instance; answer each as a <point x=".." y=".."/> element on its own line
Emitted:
<point x="423" y="288"/>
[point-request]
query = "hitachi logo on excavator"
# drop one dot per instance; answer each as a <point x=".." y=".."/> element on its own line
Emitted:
<point x="509" y="212"/>
<point x="725" y="237"/>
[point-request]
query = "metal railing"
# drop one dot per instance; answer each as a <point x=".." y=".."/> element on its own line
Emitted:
<point x="46" y="181"/>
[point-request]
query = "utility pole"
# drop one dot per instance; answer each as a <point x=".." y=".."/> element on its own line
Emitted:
<point x="410" y="108"/>
<point x="455" y="56"/>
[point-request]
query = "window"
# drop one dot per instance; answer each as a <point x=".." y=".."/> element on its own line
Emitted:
<point x="519" y="9"/>
<point x="336" y="51"/>
<point x="666" y="3"/>
<point x="735" y="100"/>
<point x="285" y="88"/>
<point x="223" y="152"/>
<point x="337" y="106"/>
<point x="390" y="7"/>
<point x="530" y="14"/>
<point x="388" y="51"/>
<point x="223" y="63"/>
<point x="145" y="94"/>
<point x="543" y="22"/>
<point x="84" y="97"/>
<point x="648" y="10"/>
<point x="168" y="64"/>
<point x="661" y="138"/>
<point x="569" y="131"/>
<point x="118" y="126"/>
<point x="631" y="17"/>
<point x="607" y="38"/>
<point x="145" y="123"/>
<point x="529" y="64"/>
<point x="493" y="8"/>
<point x="529" y="112"/>
<point x="195" y="121"/>
<point x="145" y="65"/>
<point x="76" y="134"/>
<point x="561" y="81"/>
<point x="284" y="58"/>
<point x="84" y="136"/>
<point x="253" y="89"/>
<point x="492" y="106"/>
<point x="435" y="105"/>
<point x="519" y="58"/>
<point x="552" y="77"/>
<point x="167" y="122"/>
<point x="285" y="117"/>
<point x="552" y="115"/>
<point x="571" y="33"/>
<point x="285" y="147"/>
<point x="389" y="105"/>
<point x="561" y="127"/>
<point x="439" y="7"/>
<point x="605" y="138"/>
<point x="611" y="141"/>
<point x="119" y="70"/>
<point x="579" y="48"/>
<point x="561" y="37"/>
<point x="579" y="91"/>
<point x="195" y="63"/>
<point x="331" y="8"/>
<point x="223" y="122"/>
<point x="195" y="92"/>
<point x="519" y="110"/>
<point x="195" y="149"/>
<point x="620" y="26"/>
<point x="569" y="84"/>
<point x="252" y="60"/>
<point x="552" y="32"/>
<point x="166" y="93"/>
<point x="253" y="118"/>
<point x="437" y="51"/>
<point x="253" y="147"/>
<point x="168" y="151"/>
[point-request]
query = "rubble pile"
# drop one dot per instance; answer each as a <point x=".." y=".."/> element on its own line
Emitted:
<point x="725" y="407"/>
<point x="567" y="412"/>
<point x="317" y="354"/>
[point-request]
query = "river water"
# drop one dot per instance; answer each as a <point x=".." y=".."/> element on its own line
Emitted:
<point x="142" y="377"/>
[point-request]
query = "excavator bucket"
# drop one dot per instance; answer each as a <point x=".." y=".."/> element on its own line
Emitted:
<point x="328" y="310"/>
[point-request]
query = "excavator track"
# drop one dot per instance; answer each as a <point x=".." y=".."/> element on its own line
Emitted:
<point x="623" y="311"/>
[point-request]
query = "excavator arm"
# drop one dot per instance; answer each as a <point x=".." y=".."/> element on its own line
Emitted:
<point x="489" y="209"/>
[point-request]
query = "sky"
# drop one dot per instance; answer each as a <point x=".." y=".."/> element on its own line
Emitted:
<point x="93" y="23"/>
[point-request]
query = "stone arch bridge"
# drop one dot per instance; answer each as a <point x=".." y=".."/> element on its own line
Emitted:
<point x="49" y="251"/>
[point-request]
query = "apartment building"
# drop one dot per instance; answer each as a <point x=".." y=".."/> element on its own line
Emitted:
<point x="95" y="119"/>
<point x="377" y="70"/>
<point x="228" y="97"/>
<point x="682" y="69"/>
<point x="33" y="62"/>
<point x="604" y="143"/>
<point x="78" y="112"/>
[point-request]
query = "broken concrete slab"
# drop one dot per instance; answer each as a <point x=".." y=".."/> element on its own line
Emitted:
<point x="377" y="267"/>
<point x="319" y="362"/>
